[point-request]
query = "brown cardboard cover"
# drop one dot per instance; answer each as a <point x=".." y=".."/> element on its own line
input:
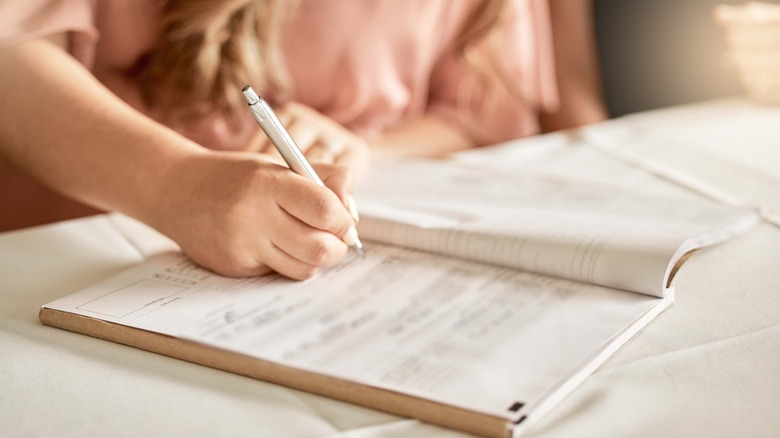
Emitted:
<point x="378" y="398"/>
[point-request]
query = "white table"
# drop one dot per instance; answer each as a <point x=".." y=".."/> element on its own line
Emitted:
<point x="709" y="366"/>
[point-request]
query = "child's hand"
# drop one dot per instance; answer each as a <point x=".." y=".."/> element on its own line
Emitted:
<point x="241" y="215"/>
<point x="321" y="139"/>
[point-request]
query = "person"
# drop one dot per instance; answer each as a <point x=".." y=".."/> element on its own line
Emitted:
<point x="136" y="106"/>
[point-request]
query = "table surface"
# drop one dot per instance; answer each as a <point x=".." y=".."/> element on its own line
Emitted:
<point x="709" y="366"/>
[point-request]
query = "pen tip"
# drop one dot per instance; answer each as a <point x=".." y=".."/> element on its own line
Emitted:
<point x="360" y="251"/>
<point x="356" y="244"/>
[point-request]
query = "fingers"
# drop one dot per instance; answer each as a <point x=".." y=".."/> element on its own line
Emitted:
<point x="312" y="224"/>
<point x="293" y="249"/>
<point x="287" y="265"/>
<point x="316" y="206"/>
<point x="356" y="158"/>
<point x="308" y="245"/>
<point x="274" y="259"/>
<point x="321" y="138"/>
<point x="262" y="144"/>
<point x="341" y="182"/>
<point x="337" y="178"/>
<point x="349" y="151"/>
<point x="230" y="266"/>
<point x="303" y="134"/>
<point x="324" y="150"/>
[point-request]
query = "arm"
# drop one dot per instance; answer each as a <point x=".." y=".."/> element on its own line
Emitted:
<point x="578" y="77"/>
<point x="232" y="212"/>
<point x="429" y="136"/>
<point x="325" y="141"/>
<point x="454" y="124"/>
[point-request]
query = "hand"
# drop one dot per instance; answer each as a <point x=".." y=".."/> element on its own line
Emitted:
<point x="320" y="138"/>
<point x="241" y="215"/>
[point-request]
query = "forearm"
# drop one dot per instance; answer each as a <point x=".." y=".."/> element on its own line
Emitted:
<point x="577" y="69"/>
<point x="428" y="136"/>
<point x="233" y="212"/>
<point x="64" y="128"/>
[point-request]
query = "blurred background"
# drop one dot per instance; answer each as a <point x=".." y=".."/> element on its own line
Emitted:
<point x="656" y="53"/>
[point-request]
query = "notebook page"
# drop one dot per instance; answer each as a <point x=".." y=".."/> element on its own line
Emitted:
<point x="474" y="335"/>
<point x="615" y="239"/>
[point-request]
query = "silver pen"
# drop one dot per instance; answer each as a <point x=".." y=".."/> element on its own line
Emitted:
<point x="289" y="150"/>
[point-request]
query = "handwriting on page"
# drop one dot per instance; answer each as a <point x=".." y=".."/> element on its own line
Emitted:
<point x="404" y="318"/>
<point x="401" y="319"/>
<point x="161" y="288"/>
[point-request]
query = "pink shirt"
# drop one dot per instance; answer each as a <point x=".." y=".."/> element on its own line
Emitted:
<point x="368" y="64"/>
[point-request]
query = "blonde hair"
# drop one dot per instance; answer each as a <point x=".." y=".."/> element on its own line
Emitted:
<point x="479" y="24"/>
<point x="480" y="44"/>
<point x="209" y="49"/>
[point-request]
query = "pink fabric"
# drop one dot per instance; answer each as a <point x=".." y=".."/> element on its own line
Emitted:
<point x="370" y="65"/>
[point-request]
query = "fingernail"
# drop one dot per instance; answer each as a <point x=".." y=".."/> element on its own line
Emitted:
<point x="352" y="207"/>
<point x="351" y="237"/>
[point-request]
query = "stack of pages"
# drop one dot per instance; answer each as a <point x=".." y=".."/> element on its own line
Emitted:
<point x="484" y="298"/>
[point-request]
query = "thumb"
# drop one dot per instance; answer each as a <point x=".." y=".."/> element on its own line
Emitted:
<point x="340" y="180"/>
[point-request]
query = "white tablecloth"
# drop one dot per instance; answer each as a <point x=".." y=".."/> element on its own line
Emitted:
<point x="709" y="366"/>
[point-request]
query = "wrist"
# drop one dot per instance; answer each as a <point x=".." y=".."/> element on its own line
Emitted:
<point x="167" y="185"/>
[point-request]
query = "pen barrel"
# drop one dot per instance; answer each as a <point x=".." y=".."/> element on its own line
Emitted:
<point x="284" y="143"/>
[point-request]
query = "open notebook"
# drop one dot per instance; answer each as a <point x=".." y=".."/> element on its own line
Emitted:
<point x="484" y="298"/>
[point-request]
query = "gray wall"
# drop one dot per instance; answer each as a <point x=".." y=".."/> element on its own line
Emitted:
<point x="656" y="53"/>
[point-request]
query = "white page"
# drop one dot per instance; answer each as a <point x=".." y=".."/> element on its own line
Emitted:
<point x="615" y="239"/>
<point x="473" y="335"/>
